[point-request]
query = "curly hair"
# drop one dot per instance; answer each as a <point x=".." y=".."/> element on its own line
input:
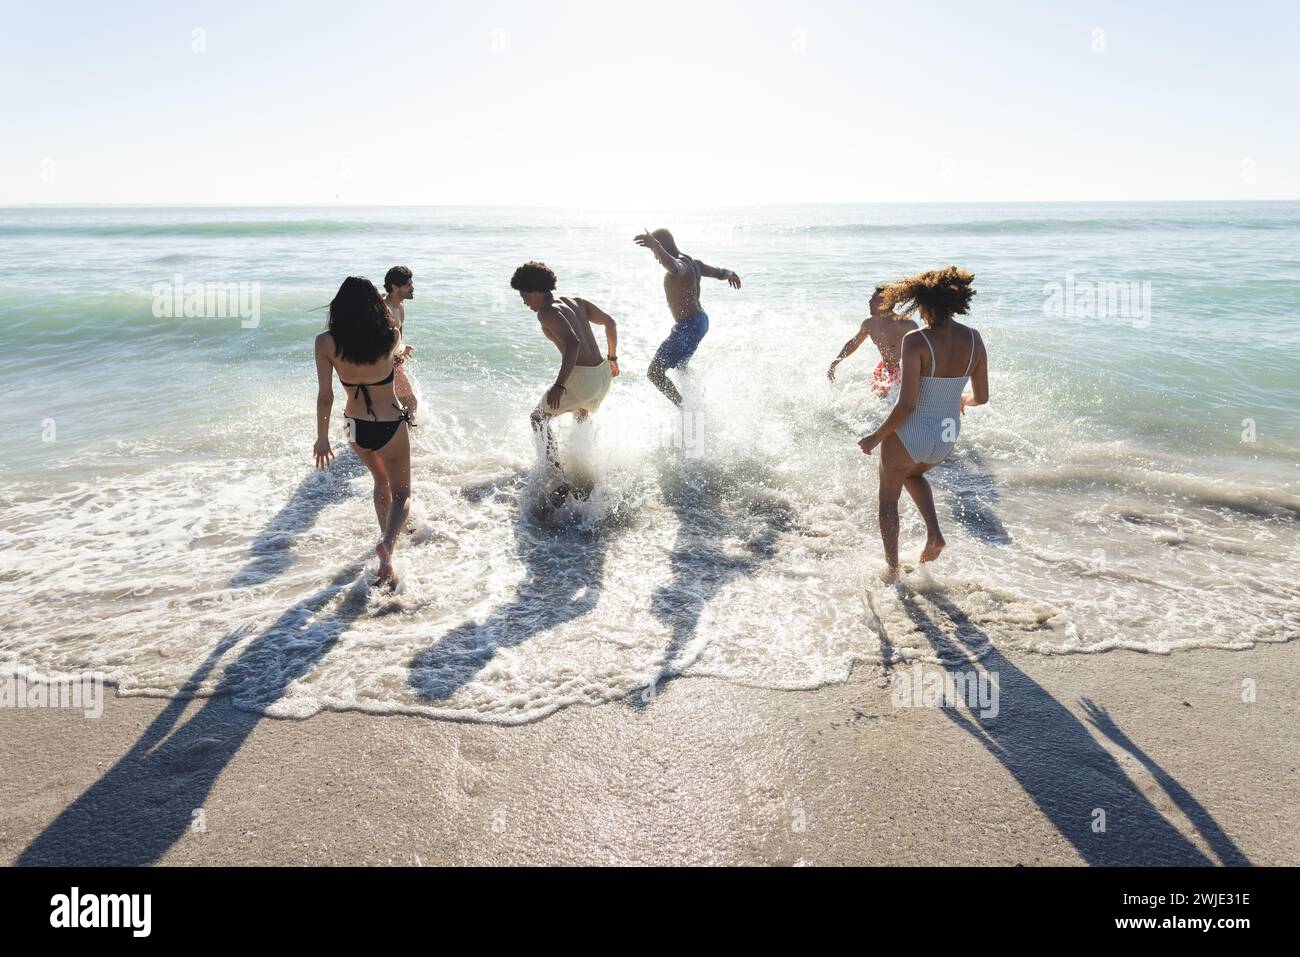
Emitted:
<point x="397" y="276"/>
<point x="359" y="323"/>
<point x="943" y="292"/>
<point x="533" y="277"/>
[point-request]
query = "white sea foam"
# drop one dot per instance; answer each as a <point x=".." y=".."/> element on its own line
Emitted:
<point x="250" y="578"/>
<point x="193" y="551"/>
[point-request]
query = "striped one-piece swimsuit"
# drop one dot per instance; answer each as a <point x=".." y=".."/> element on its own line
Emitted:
<point x="930" y="433"/>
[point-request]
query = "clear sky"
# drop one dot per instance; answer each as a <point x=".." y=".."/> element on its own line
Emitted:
<point x="657" y="103"/>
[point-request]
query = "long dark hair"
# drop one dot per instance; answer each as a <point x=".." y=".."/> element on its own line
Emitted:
<point x="359" y="323"/>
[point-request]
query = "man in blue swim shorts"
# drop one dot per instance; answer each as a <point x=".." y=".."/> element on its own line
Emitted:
<point x="682" y="286"/>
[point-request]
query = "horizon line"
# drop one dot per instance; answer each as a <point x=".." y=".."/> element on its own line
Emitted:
<point x="926" y="202"/>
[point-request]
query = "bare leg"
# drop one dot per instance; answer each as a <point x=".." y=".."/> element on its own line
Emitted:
<point x="658" y="375"/>
<point x="542" y="424"/>
<point x="383" y="503"/>
<point x="919" y="489"/>
<point x="889" y="527"/>
<point x="895" y="464"/>
<point x="396" y="456"/>
<point x="383" y="493"/>
<point x="398" y="512"/>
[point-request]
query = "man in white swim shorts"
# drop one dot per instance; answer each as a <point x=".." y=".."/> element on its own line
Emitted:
<point x="585" y="375"/>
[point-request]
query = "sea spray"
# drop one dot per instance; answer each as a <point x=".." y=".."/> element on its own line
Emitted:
<point x="1100" y="502"/>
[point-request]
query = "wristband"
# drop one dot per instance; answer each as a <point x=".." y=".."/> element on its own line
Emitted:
<point x="612" y="358"/>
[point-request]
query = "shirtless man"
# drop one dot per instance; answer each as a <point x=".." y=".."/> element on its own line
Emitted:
<point x="886" y="330"/>
<point x="399" y="286"/>
<point x="585" y="375"/>
<point x="682" y="285"/>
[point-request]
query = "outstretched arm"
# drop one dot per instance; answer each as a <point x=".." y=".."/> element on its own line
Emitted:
<point x="907" y="394"/>
<point x="598" y="317"/>
<point x="850" y="347"/>
<point x="713" y="272"/>
<point x="668" y="261"/>
<point x="324" y="399"/>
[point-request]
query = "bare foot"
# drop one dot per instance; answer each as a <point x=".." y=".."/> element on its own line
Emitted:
<point x="889" y="575"/>
<point x="933" y="546"/>
<point x="386" y="575"/>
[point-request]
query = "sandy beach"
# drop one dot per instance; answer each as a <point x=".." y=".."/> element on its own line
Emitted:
<point x="708" y="772"/>
<point x="780" y="435"/>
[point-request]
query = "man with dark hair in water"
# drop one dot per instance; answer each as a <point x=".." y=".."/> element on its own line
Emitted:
<point x="585" y="375"/>
<point x="682" y="286"/>
<point x="399" y="286"/>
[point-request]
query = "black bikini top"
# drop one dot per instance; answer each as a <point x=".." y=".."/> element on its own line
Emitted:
<point x="364" y="391"/>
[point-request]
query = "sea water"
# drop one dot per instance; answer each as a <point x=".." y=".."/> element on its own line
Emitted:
<point x="1133" y="484"/>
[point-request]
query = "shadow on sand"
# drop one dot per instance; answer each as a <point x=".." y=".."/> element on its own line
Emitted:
<point x="712" y="509"/>
<point x="145" y="803"/>
<point x="148" y="800"/>
<point x="562" y="578"/>
<point x="271" y="553"/>
<point x="1059" y="764"/>
<point x="972" y="493"/>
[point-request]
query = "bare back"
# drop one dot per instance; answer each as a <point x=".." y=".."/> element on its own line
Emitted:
<point x="371" y="375"/>
<point x="887" y="334"/>
<point x="956" y="348"/>
<point x="573" y="313"/>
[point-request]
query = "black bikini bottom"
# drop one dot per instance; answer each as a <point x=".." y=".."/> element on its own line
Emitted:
<point x="373" y="436"/>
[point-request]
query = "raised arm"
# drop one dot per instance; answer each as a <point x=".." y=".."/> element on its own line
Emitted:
<point x="324" y="399"/>
<point x="714" y="272"/>
<point x="908" y="391"/>
<point x="850" y="347"/>
<point x="598" y="317"/>
<point x="667" y="260"/>
<point x="558" y="331"/>
<point x="979" y="378"/>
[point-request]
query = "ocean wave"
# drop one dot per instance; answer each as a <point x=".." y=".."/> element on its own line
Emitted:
<point x="28" y="321"/>
<point x="722" y="567"/>
<point x="1018" y="227"/>
<point x="227" y="228"/>
<point x="179" y="514"/>
<point x="1257" y="502"/>
<point x="262" y="228"/>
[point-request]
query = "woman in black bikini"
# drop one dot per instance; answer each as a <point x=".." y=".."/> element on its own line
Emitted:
<point x="361" y="344"/>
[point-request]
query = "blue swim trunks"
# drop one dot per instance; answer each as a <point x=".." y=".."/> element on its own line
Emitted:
<point x="682" y="342"/>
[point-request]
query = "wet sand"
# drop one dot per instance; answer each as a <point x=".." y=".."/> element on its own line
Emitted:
<point x="1178" y="768"/>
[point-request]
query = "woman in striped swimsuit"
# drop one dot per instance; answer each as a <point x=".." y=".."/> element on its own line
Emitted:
<point x="923" y="426"/>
